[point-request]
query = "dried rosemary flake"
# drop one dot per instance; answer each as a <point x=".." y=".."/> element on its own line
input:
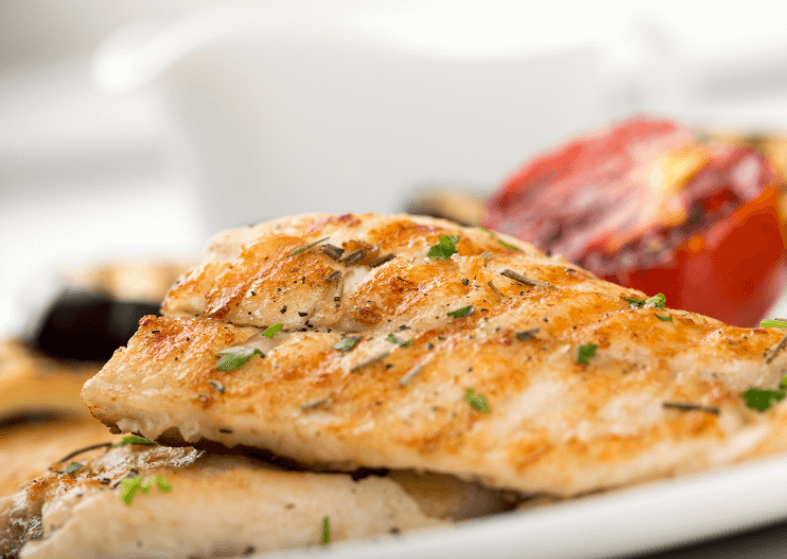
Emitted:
<point x="680" y="406"/>
<point x="380" y="260"/>
<point x="335" y="275"/>
<point x="316" y="403"/>
<point x="516" y="276"/>
<point x="776" y="350"/>
<point x="354" y="257"/>
<point x="339" y="289"/>
<point x="495" y="290"/>
<point x="401" y="343"/>
<point x="216" y="385"/>
<point x="333" y="251"/>
<point x="410" y="375"/>
<point x="347" y="343"/>
<point x="307" y="247"/>
<point x="527" y="334"/>
<point x="369" y="362"/>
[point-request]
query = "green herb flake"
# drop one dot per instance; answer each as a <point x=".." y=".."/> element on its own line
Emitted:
<point x="270" y="332"/>
<point x="783" y="383"/>
<point x="657" y="301"/>
<point x="477" y="401"/>
<point x="761" y="399"/>
<point x="307" y="247"/>
<point x="236" y="358"/>
<point x="325" y="537"/>
<point x="509" y="246"/>
<point x="634" y="302"/>
<point x="130" y="486"/>
<point x="663" y="318"/>
<point x="464" y="311"/>
<point x="773" y="323"/>
<point x="163" y="485"/>
<point x="401" y="343"/>
<point x="586" y="352"/>
<point x="444" y="248"/>
<point x="73" y="467"/>
<point x="485" y="230"/>
<point x="133" y="439"/>
<point x="347" y="343"/>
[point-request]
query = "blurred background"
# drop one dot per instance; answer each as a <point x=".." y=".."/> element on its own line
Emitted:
<point x="135" y="130"/>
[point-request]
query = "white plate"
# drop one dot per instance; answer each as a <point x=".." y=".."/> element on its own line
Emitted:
<point x="641" y="519"/>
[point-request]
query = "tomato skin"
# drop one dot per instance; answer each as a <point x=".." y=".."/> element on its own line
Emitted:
<point x="731" y="266"/>
<point x="734" y="271"/>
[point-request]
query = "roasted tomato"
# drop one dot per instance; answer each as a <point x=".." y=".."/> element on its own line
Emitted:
<point x="646" y="204"/>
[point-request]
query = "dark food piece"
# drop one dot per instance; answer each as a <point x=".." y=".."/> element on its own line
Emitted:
<point x="85" y="325"/>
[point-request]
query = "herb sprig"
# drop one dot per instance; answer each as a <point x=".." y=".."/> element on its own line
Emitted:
<point x="586" y="352"/>
<point x="133" y="439"/>
<point x="477" y="401"/>
<point x="130" y="486"/>
<point x="445" y="247"/>
<point x="307" y="247"/>
<point x="235" y="358"/>
<point x="271" y="331"/>
<point x="401" y="343"/>
<point x="464" y="311"/>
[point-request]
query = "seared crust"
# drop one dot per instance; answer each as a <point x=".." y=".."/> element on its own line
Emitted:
<point x="555" y="425"/>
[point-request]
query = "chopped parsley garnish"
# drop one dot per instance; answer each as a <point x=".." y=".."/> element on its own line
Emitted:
<point x="236" y="358"/>
<point x="773" y="323"/>
<point x="663" y="318"/>
<point x="130" y="486"/>
<point x="401" y="343"/>
<point x="464" y="311"/>
<point x="657" y="301"/>
<point x="586" y="352"/>
<point x="477" y="401"/>
<point x="270" y="332"/>
<point x="347" y="343"/>
<point x="307" y="247"/>
<point x="761" y="399"/>
<point x="444" y="248"/>
<point x="325" y="537"/>
<point x="133" y="439"/>
<point x="73" y="467"/>
<point x="485" y="230"/>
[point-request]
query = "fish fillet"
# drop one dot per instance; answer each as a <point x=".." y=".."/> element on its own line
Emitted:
<point x="460" y="366"/>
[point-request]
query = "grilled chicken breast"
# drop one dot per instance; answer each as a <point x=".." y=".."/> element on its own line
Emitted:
<point x="207" y="506"/>
<point x="495" y="363"/>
